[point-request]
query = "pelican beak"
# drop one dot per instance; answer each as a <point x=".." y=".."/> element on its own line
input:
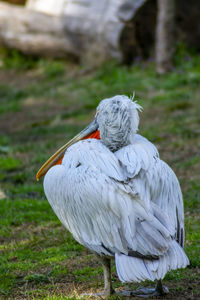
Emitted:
<point x="56" y="158"/>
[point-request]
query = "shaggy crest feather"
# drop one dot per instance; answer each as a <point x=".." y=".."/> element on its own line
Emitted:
<point x="118" y="121"/>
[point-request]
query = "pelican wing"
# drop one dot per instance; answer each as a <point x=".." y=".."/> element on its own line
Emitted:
<point x="169" y="197"/>
<point x="154" y="180"/>
<point x="99" y="208"/>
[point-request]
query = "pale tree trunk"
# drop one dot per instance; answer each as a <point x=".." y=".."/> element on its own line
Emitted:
<point x="165" y="35"/>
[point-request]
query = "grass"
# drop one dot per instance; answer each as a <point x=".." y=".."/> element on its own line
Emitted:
<point x="43" y="103"/>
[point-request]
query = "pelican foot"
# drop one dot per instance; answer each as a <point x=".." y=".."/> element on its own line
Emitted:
<point x="144" y="292"/>
<point x="98" y="295"/>
<point x="101" y="295"/>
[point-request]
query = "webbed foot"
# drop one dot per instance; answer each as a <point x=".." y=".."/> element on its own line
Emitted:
<point x="102" y="295"/>
<point x="159" y="290"/>
<point x="144" y="292"/>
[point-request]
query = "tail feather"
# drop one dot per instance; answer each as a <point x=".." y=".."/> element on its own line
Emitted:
<point x="136" y="269"/>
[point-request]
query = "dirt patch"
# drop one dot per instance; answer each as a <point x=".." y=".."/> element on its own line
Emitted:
<point x="185" y="289"/>
<point x="20" y="78"/>
<point x="29" y="116"/>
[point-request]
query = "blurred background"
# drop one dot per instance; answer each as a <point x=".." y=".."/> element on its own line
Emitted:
<point x="58" y="59"/>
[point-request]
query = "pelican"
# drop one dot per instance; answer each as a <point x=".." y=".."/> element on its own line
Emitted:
<point x="111" y="190"/>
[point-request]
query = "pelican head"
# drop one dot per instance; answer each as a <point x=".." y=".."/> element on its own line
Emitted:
<point x="116" y="121"/>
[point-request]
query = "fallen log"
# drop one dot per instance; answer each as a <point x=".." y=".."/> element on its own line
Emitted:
<point x="33" y="32"/>
<point x="93" y="30"/>
<point x="96" y="32"/>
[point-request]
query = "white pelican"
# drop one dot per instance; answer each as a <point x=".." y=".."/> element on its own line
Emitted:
<point x="118" y="198"/>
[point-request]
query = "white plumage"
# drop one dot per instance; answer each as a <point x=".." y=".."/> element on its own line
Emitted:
<point x="118" y="198"/>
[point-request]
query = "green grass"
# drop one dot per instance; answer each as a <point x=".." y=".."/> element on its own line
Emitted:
<point x="44" y="103"/>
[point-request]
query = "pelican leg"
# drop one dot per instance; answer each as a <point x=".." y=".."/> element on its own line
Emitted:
<point x="108" y="290"/>
<point x="161" y="289"/>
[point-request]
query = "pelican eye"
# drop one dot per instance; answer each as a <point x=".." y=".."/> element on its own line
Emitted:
<point x="97" y="112"/>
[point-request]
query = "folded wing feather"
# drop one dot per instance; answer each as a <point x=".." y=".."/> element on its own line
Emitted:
<point x="91" y="196"/>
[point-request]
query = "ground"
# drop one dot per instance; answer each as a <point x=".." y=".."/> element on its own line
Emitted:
<point x="43" y="104"/>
